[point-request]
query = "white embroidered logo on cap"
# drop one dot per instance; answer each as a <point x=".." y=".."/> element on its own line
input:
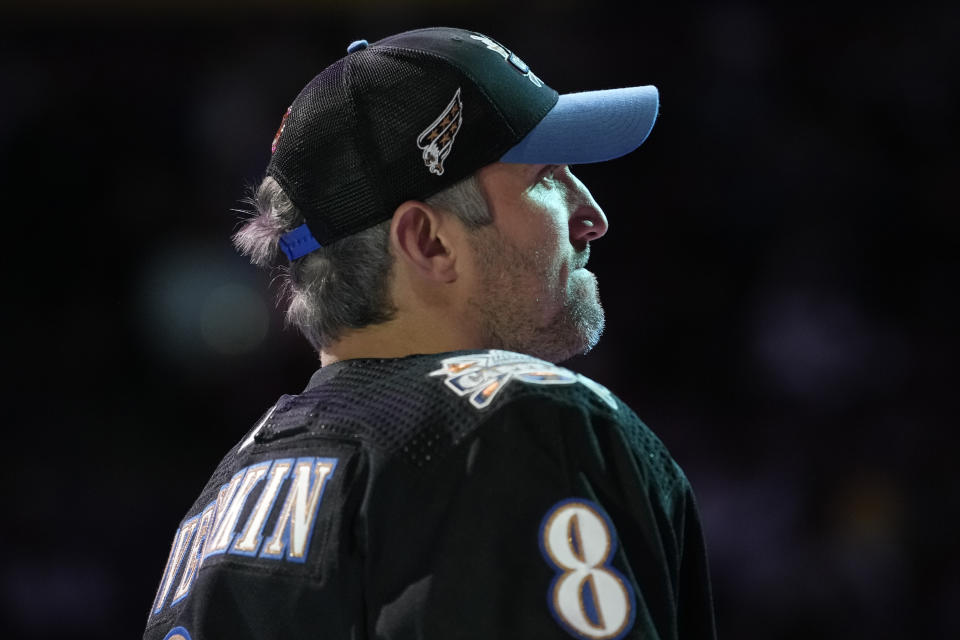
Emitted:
<point x="436" y="140"/>
<point x="511" y="58"/>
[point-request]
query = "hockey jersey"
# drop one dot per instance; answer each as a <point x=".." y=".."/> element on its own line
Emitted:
<point x="481" y="494"/>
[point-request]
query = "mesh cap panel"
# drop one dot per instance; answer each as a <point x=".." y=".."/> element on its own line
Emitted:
<point x="321" y="166"/>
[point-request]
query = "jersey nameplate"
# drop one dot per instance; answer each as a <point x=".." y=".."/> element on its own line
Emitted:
<point x="290" y="487"/>
<point x="482" y="376"/>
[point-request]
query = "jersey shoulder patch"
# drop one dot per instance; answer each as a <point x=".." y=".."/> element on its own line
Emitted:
<point x="481" y="377"/>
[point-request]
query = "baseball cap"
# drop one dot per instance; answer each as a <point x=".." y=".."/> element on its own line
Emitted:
<point x="412" y="114"/>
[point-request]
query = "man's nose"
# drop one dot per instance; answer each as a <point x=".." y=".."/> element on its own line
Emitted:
<point x="588" y="221"/>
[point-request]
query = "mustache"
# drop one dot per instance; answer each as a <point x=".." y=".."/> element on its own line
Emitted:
<point x="580" y="259"/>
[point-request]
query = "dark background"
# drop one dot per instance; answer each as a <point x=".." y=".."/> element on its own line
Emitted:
<point x="779" y="280"/>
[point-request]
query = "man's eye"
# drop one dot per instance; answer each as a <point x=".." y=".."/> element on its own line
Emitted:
<point x="549" y="171"/>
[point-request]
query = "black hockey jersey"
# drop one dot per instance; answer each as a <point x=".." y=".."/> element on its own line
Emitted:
<point x="480" y="494"/>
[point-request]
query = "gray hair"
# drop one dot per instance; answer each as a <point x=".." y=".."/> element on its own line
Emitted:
<point x="344" y="285"/>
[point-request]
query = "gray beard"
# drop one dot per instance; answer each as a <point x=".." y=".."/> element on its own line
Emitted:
<point x="510" y="324"/>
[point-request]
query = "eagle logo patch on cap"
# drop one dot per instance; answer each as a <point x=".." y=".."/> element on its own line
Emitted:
<point x="436" y="140"/>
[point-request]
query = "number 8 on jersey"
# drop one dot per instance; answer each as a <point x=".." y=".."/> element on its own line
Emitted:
<point x="588" y="597"/>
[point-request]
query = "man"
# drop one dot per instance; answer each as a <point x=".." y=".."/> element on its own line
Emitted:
<point x="440" y="477"/>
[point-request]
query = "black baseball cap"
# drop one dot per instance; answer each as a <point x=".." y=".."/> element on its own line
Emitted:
<point x="411" y="114"/>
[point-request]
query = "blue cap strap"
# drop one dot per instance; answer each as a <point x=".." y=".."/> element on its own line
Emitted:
<point x="298" y="243"/>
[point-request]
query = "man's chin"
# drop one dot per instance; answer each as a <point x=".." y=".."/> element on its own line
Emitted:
<point x="592" y="328"/>
<point x="576" y="332"/>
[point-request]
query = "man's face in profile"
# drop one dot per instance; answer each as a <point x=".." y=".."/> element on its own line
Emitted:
<point x="534" y="295"/>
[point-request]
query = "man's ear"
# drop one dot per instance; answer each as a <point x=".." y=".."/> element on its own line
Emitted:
<point x="422" y="237"/>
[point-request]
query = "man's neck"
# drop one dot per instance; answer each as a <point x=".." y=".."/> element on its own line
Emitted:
<point x="402" y="336"/>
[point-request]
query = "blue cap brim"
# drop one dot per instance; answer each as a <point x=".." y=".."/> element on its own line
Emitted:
<point x="591" y="126"/>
